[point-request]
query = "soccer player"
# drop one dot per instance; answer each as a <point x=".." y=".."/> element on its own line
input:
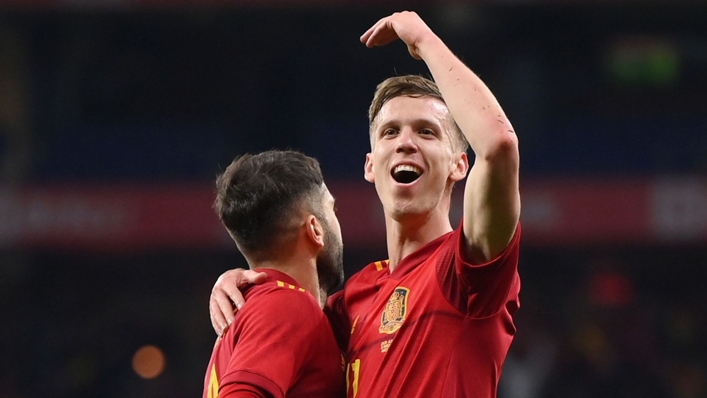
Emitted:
<point x="435" y="319"/>
<point x="280" y="213"/>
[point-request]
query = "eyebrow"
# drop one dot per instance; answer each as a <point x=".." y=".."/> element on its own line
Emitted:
<point x="414" y="122"/>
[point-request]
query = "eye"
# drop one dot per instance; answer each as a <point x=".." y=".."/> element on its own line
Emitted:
<point x="427" y="132"/>
<point x="389" y="132"/>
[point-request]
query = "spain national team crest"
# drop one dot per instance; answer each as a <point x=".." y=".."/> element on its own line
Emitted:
<point x="394" y="311"/>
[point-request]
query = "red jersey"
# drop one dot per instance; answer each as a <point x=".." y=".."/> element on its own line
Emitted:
<point x="280" y="344"/>
<point x="436" y="326"/>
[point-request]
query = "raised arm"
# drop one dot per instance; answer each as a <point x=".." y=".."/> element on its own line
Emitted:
<point x="491" y="195"/>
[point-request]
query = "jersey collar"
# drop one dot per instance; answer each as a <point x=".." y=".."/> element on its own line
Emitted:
<point x="414" y="259"/>
<point x="275" y="275"/>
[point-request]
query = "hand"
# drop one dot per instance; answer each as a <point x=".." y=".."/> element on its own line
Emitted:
<point x="406" y="26"/>
<point x="226" y="293"/>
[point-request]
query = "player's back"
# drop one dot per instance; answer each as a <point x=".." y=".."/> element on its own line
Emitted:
<point x="280" y="344"/>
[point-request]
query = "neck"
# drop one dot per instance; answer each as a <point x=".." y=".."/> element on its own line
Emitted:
<point x="302" y="270"/>
<point x="408" y="233"/>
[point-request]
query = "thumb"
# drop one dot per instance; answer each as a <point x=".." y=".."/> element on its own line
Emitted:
<point x="254" y="277"/>
<point x="259" y="278"/>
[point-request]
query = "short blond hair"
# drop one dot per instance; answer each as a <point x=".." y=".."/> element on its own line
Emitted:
<point x="412" y="86"/>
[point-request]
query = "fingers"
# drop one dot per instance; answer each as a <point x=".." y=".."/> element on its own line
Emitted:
<point x="406" y="26"/>
<point x="226" y="295"/>
<point x="230" y="296"/>
<point x="218" y="321"/>
<point x="380" y="34"/>
<point x="366" y="36"/>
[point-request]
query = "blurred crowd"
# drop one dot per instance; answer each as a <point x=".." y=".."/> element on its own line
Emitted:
<point x="625" y="324"/>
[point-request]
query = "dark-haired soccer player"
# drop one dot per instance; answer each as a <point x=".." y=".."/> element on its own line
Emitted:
<point x="435" y="319"/>
<point x="280" y="213"/>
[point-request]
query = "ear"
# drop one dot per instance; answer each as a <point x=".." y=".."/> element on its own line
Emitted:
<point x="314" y="231"/>
<point x="460" y="167"/>
<point x="368" y="169"/>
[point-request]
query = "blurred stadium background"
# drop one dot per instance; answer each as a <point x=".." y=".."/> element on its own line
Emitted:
<point x="116" y="116"/>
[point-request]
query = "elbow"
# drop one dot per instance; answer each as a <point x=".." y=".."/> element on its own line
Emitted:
<point x="504" y="148"/>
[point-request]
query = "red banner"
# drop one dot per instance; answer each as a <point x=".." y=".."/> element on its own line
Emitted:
<point x="148" y="217"/>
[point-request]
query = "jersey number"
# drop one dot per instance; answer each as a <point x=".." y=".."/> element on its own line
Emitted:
<point x="213" y="384"/>
<point x="352" y="371"/>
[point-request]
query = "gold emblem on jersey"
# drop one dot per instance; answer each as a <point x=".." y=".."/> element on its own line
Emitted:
<point x="394" y="311"/>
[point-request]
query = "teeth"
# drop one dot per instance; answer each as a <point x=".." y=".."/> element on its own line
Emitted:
<point x="407" y="167"/>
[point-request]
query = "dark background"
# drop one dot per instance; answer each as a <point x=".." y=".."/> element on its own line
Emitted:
<point x="155" y="93"/>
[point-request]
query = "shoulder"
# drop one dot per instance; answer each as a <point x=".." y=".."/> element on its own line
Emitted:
<point x="281" y="315"/>
<point x="370" y="272"/>
<point x="280" y="298"/>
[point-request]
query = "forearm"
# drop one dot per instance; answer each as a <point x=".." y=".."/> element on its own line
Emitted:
<point x="470" y="101"/>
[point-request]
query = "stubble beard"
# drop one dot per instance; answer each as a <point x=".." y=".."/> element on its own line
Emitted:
<point x="330" y="262"/>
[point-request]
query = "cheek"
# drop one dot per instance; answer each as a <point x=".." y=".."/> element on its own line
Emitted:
<point x="377" y="161"/>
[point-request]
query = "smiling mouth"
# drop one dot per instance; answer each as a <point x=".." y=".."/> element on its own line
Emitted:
<point x="406" y="173"/>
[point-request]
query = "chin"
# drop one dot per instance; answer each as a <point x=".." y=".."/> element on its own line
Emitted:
<point x="402" y="211"/>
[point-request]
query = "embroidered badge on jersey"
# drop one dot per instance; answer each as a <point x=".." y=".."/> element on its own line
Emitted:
<point x="394" y="311"/>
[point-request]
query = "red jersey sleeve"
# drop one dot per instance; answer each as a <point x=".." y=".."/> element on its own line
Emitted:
<point x="243" y="391"/>
<point x="276" y="333"/>
<point x="481" y="290"/>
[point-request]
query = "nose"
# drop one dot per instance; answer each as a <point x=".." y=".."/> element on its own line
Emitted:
<point x="406" y="142"/>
